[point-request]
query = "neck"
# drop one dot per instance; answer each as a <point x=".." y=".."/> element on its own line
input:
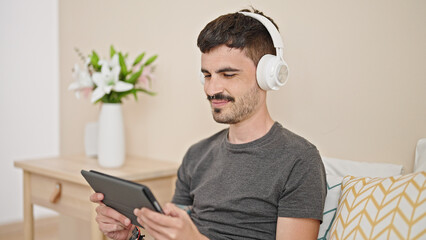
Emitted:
<point x="252" y="128"/>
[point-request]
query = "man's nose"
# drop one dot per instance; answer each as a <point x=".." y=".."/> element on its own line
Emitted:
<point x="213" y="86"/>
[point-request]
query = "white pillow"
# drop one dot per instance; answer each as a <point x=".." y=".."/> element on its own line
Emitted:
<point x="331" y="202"/>
<point x="420" y="162"/>
<point x="340" y="167"/>
<point x="336" y="169"/>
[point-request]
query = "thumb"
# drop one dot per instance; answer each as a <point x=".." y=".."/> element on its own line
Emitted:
<point x="172" y="210"/>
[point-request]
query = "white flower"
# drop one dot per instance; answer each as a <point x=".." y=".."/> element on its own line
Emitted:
<point x="82" y="82"/>
<point x="108" y="79"/>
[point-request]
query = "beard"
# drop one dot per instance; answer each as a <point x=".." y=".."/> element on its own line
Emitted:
<point x="240" y="108"/>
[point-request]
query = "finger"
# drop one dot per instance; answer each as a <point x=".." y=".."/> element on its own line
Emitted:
<point x="155" y="217"/>
<point x="154" y="233"/>
<point x="166" y="227"/>
<point x="101" y="219"/>
<point x="167" y="209"/>
<point x="119" y="234"/>
<point x="107" y="227"/>
<point x="171" y="209"/>
<point x="111" y="227"/>
<point x="154" y="229"/>
<point x="111" y="213"/>
<point x="96" y="197"/>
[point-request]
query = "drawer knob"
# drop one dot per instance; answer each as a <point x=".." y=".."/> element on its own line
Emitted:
<point x="56" y="194"/>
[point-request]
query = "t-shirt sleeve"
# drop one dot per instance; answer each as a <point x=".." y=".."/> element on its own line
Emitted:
<point x="304" y="192"/>
<point x="182" y="190"/>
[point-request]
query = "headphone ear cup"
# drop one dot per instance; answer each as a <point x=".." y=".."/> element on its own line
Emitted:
<point x="271" y="73"/>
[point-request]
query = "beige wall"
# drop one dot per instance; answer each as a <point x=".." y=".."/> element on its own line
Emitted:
<point x="357" y="87"/>
<point x="29" y="94"/>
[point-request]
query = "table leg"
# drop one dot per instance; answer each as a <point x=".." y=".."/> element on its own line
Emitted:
<point x="28" y="208"/>
<point x="96" y="234"/>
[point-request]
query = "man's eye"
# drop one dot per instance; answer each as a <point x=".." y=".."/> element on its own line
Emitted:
<point x="207" y="76"/>
<point x="228" y="75"/>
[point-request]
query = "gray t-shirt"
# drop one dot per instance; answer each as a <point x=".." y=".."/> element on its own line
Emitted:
<point x="239" y="190"/>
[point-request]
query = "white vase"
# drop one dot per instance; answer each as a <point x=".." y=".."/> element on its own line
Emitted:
<point x="111" y="146"/>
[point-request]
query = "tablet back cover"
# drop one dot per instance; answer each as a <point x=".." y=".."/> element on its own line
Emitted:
<point x="119" y="194"/>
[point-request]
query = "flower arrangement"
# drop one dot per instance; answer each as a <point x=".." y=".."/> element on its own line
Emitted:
<point x="109" y="81"/>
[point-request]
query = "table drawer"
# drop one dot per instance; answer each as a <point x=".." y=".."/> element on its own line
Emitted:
<point x="73" y="199"/>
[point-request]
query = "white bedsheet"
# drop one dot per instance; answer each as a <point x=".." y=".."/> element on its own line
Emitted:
<point x="420" y="161"/>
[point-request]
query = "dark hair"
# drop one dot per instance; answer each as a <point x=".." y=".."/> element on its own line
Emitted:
<point x="236" y="30"/>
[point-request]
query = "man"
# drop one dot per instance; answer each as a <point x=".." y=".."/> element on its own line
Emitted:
<point x="254" y="180"/>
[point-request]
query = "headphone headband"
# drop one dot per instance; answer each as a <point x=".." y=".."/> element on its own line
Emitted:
<point x="275" y="35"/>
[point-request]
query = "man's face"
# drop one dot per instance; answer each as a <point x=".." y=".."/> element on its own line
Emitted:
<point x="230" y="84"/>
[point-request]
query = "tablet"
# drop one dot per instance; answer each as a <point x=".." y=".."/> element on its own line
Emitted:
<point x="122" y="195"/>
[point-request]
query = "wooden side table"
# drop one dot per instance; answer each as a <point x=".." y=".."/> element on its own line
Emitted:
<point x="56" y="183"/>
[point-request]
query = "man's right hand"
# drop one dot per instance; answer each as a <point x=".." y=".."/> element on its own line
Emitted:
<point x="111" y="223"/>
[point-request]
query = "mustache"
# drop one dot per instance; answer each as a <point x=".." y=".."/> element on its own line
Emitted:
<point x="220" y="96"/>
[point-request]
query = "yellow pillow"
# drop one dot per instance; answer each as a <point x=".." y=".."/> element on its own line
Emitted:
<point x="382" y="208"/>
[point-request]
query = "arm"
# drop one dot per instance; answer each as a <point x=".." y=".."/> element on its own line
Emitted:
<point x="297" y="228"/>
<point x="175" y="223"/>
<point x="302" y="201"/>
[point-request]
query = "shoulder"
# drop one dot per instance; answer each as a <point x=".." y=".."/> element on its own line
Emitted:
<point x="290" y="140"/>
<point x="204" y="146"/>
<point x="294" y="150"/>
<point x="213" y="140"/>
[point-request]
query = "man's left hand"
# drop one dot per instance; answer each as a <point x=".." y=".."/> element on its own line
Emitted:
<point x="173" y="225"/>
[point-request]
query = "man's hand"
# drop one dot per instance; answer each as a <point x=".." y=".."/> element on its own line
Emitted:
<point x="111" y="223"/>
<point x="173" y="225"/>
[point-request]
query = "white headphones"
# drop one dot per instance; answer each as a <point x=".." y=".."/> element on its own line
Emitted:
<point x="272" y="70"/>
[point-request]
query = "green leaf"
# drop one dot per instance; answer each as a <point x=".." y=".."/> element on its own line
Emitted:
<point x="123" y="94"/>
<point x="94" y="59"/>
<point x="104" y="99"/>
<point x="122" y="65"/>
<point x="150" y="60"/>
<point x="112" y="51"/>
<point x="135" y="94"/>
<point x="146" y="91"/>
<point x="135" y="76"/>
<point x="115" y="97"/>
<point x="139" y="58"/>
<point x="134" y="91"/>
